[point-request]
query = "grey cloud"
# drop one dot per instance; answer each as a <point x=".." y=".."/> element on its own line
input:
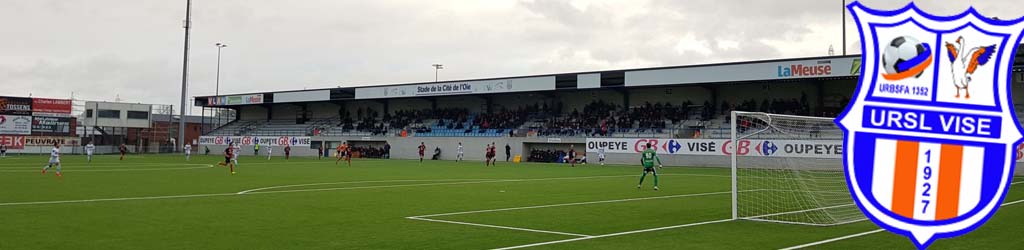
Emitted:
<point x="133" y="48"/>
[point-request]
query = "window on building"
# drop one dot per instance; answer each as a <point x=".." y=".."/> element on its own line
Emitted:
<point x="88" y="113"/>
<point x="106" y="113"/>
<point x="142" y="115"/>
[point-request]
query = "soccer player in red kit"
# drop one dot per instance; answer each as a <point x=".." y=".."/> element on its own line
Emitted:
<point x="123" y="150"/>
<point x="490" y="155"/>
<point x="344" y="152"/>
<point x="229" y="154"/>
<point x="423" y="147"/>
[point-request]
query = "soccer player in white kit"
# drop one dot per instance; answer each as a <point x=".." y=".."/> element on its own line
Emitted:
<point x="54" y="159"/>
<point x="188" y="152"/>
<point x="89" y="148"/>
<point x="600" y="156"/>
<point x="236" y="149"/>
<point x="459" y="152"/>
<point x="270" y="151"/>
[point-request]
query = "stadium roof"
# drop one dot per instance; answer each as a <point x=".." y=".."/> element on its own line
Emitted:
<point x="775" y="70"/>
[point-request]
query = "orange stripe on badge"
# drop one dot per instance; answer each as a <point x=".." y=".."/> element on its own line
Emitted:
<point x="905" y="178"/>
<point x="947" y="204"/>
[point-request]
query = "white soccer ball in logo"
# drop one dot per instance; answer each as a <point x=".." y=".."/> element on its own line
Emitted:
<point x="900" y="50"/>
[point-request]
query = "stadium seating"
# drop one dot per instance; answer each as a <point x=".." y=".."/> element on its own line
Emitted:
<point x="598" y="119"/>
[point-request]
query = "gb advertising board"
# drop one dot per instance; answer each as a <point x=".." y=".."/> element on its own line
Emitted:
<point x="15" y="124"/>
<point x="721" y="147"/>
<point x="299" y="141"/>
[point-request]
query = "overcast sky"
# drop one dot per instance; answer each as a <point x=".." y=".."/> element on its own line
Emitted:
<point x="100" y="49"/>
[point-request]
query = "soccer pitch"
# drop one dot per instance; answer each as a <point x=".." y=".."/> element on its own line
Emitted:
<point x="164" y="202"/>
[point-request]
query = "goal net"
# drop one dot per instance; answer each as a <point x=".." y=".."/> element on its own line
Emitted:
<point x="789" y="169"/>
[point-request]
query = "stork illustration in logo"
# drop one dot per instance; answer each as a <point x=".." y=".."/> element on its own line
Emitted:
<point x="964" y="64"/>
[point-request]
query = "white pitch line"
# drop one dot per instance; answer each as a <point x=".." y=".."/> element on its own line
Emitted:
<point x="833" y="239"/>
<point x="440" y="184"/>
<point x="353" y="182"/>
<point x="424" y="217"/>
<point x="291" y="191"/>
<point x="374" y="187"/>
<point x="23" y="166"/>
<point x="569" y="204"/>
<point x="1011" y="203"/>
<point x="106" y="170"/>
<point x="614" y="234"/>
<point x="496" y="226"/>
<point x="871" y="232"/>
<point x="113" y="199"/>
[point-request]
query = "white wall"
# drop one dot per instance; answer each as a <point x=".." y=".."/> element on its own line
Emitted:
<point x="406" y="148"/>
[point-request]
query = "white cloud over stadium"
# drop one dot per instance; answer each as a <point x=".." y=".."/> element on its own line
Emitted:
<point x="132" y="49"/>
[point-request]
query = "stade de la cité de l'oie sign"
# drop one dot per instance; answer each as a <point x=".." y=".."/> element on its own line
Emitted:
<point x="930" y="136"/>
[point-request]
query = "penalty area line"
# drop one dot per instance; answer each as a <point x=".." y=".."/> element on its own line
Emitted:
<point x="581" y="236"/>
<point x="355" y="182"/>
<point x="571" y="204"/>
<point x="500" y="227"/>
<point x="833" y="239"/>
<point x="251" y="192"/>
<point x="868" y="232"/>
<point x="75" y="170"/>
<point x="615" y="234"/>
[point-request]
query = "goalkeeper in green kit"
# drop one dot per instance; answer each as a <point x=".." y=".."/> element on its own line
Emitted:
<point x="647" y="159"/>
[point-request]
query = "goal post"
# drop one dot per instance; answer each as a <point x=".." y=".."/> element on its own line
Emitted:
<point x="788" y="169"/>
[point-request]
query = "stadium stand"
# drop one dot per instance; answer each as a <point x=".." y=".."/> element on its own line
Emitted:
<point x="541" y="115"/>
<point x="598" y="119"/>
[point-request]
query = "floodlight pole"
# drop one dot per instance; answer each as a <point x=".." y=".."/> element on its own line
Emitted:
<point x="436" y="68"/>
<point x="844" y="27"/>
<point x="217" y="91"/>
<point x="184" y="76"/>
<point x="219" y="46"/>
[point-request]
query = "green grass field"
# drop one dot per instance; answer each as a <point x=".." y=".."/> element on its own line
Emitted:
<point x="163" y="202"/>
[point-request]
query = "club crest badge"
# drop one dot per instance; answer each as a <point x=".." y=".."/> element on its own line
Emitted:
<point x="930" y="135"/>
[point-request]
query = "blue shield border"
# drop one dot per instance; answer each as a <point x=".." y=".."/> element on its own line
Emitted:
<point x="924" y="235"/>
